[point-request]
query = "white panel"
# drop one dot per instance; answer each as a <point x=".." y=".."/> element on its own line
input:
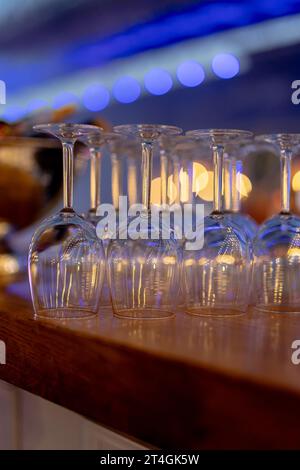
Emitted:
<point x="30" y="422"/>
<point x="8" y="417"/>
<point x="48" y="426"/>
<point x="96" y="437"/>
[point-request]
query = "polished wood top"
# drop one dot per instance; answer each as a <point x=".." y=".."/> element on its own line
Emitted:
<point x="180" y="382"/>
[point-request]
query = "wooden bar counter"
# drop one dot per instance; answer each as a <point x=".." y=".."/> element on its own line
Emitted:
<point x="186" y="382"/>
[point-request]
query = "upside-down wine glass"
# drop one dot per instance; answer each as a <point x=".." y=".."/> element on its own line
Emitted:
<point x="277" y="245"/>
<point x="188" y="178"/>
<point x="233" y="167"/>
<point x="97" y="141"/>
<point x="143" y="270"/>
<point x="66" y="259"/>
<point x="217" y="275"/>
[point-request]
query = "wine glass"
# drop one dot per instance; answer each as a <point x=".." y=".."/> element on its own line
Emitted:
<point x="143" y="270"/>
<point x="217" y="275"/>
<point x="233" y="167"/>
<point x="66" y="259"/>
<point x="187" y="157"/>
<point x="277" y="245"/>
<point x="97" y="141"/>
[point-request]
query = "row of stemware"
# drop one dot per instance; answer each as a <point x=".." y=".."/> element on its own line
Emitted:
<point x="147" y="278"/>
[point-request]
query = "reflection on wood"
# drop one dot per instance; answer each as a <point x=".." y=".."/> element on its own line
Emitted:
<point x="182" y="382"/>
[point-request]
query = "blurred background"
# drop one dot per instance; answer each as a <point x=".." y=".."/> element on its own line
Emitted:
<point x="191" y="63"/>
<point x="186" y="62"/>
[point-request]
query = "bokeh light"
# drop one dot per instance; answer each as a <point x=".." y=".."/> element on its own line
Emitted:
<point x="244" y="185"/>
<point x="207" y="193"/>
<point x="296" y="181"/>
<point x="200" y="177"/>
<point x="225" y="65"/>
<point x="158" y="81"/>
<point x="190" y="73"/>
<point x="156" y="191"/>
<point x="184" y="185"/>
<point x="95" y="97"/>
<point x="126" y="89"/>
<point x="172" y="190"/>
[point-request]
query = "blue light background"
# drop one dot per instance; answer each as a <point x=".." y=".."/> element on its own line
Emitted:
<point x="158" y="81"/>
<point x="225" y="65"/>
<point x="190" y="73"/>
<point x="126" y="90"/>
<point x="96" y="97"/>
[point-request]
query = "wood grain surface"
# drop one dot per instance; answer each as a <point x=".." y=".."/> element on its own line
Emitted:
<point x="185" y="382"/>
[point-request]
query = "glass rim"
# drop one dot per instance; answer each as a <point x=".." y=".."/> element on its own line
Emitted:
<point x="150" y="130"/>
<point x="282" y="139"/>
<point x="182" y="143"/>
<point x="100" y="138"/>
<point x="125" y="145"/>
<point x="225" y="133"/>
<point x="58" y="128"/>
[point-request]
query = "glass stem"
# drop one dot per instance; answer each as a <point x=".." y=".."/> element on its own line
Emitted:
<point x="285" y="161"/>
<point x="147" y="151"/>
<point x="176" y="182"/>
<point x="131" y="181"/>
<point x="237" y="167"/>
<point x="184" y="181"/>
<point x="95" y="179"/>
<point x="163" y="177"/>
<point x="116" y="181"/>
<point x="68" y="175"/>
<point x="228" y="174"/>
<point x="218" y="151"/>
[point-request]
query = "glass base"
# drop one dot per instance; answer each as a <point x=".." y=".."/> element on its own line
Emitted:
<point x="64" y="313"/>
<point x="145" y="314"/>
<point x="280" y="309"/>
<point x="214" y="311"/>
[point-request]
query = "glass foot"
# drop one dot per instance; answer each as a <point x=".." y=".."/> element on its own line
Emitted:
<point x="62" y="314"/>
<point x="145" y="314"/>
<point x="214" y="311"/>
<point x="280" y="309"/>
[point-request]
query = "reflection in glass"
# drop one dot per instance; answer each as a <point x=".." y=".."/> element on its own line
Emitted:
<point x="66" y="259"/>
<point x="143" y="271"/>
<point x="277" y="245"/>
<point x="217" y="275"/>
<point x="234" y="180"/>
<point x="97" y="142"/>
